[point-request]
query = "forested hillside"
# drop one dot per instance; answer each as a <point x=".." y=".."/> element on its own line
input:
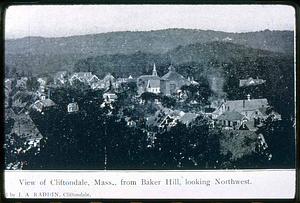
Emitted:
<point x="38" y="54"/>
<point x="218" y="61"/>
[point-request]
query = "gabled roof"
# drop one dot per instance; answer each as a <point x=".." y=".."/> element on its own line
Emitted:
<point x="108" y="77"/>
<point x="263" y="110"/>
<point x="60" y="74"/>
<point x="249" y="125"/>
<point x="47" y="102"/>
<point x="153" y="84"/>
<point x="231" y="116"/>
<point x="152" y="121"/>
<point x="188" y="117"/>
<point x="40" y="104"/>
<point x="83" y="74"/>
<point x="73" y="104"/>
<point x="9" y="113"/>
<point x="91" y="77"/>
<point x="251" y="81"/>
<point x="240" y="105"/>
<point x="149" y="77"/>
<point x="23" y="95"/>
<point x="173" y="75"/>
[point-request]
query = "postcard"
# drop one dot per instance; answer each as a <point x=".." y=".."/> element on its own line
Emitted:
<point x="152" y="101"/>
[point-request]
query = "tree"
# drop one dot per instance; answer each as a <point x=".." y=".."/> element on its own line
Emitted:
<point x="280" y="139"/>
<point x="199" y="93"/>
<point x="231" y="87"/>
<point x="148" y="96"/>
<point x="168" y="102"/>
<point x="193" y="146"/>
<point x="13" y="72"/>
<point x="7" y="71"/>
<point x="32" y="84"/>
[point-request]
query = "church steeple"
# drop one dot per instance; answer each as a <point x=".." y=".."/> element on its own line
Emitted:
<point x="154" y="72"/>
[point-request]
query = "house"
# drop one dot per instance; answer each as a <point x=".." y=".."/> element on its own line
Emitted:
<point x="60" y="78"/>
<point x="9" y="83"/>
<point x="231" y="120"/>
<point x="173" y="117"/>
<point x="41" y="104"/>
<point x="99" y="85"/>
<point x="22" y="82"/>
<point x="110" y="81"/>
<point x="130" y="121"/>
<point x="92" y="79"/>
<point x="192" y="81"/>
<point x="73" y="107"/>
<point x="41" y="91"/>
<point x="168" y="121"/>
<point x="260" y="114"/>
<point x="42" y="81"/>
<point x="172" y="82"/>
<point x="21" y="98"/>
<point x="153" y="86"/>
<point x="85" y="77"/>
<point x="125" y="80"/>
<point x="245" y="107"/>
<point x="109" y="97"/>
<point x="250" y="81"/>
<point x="149" y="83"/>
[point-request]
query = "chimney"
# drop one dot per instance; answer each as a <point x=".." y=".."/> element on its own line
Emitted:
<point x="248" y="97"/>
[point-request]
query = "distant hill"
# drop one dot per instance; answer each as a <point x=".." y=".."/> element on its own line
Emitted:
<point x="39" y="54"/>
<point x="216" y="61"/>
<point x="199" y="56"/>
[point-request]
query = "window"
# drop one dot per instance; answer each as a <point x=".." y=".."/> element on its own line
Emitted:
<point x="172" y="88"/>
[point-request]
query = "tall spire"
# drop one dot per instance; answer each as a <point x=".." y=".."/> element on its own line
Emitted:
<point x="154" y="72"/>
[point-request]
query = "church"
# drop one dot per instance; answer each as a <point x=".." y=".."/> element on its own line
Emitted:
<point x="168" y="84"/>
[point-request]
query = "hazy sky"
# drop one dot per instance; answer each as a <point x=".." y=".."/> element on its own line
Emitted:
<point x="59" y="21"/>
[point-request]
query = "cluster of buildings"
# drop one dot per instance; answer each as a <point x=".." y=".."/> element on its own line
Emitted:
<point x="245" y="114"/>
<point x="168" y="84"/>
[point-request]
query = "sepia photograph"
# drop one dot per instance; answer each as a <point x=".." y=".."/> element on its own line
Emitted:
<point x="149" y="87"/>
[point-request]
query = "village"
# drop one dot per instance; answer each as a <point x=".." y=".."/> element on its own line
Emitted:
<point x="165" y="101"/>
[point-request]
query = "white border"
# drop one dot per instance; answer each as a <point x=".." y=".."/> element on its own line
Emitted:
<point x="254" y="184"/>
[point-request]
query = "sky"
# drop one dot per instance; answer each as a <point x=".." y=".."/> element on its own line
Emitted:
<point x="62" y="20"/>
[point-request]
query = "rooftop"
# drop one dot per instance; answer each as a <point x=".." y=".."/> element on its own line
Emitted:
<point x="231" y="116"/>
<point x="241" y="105"/>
